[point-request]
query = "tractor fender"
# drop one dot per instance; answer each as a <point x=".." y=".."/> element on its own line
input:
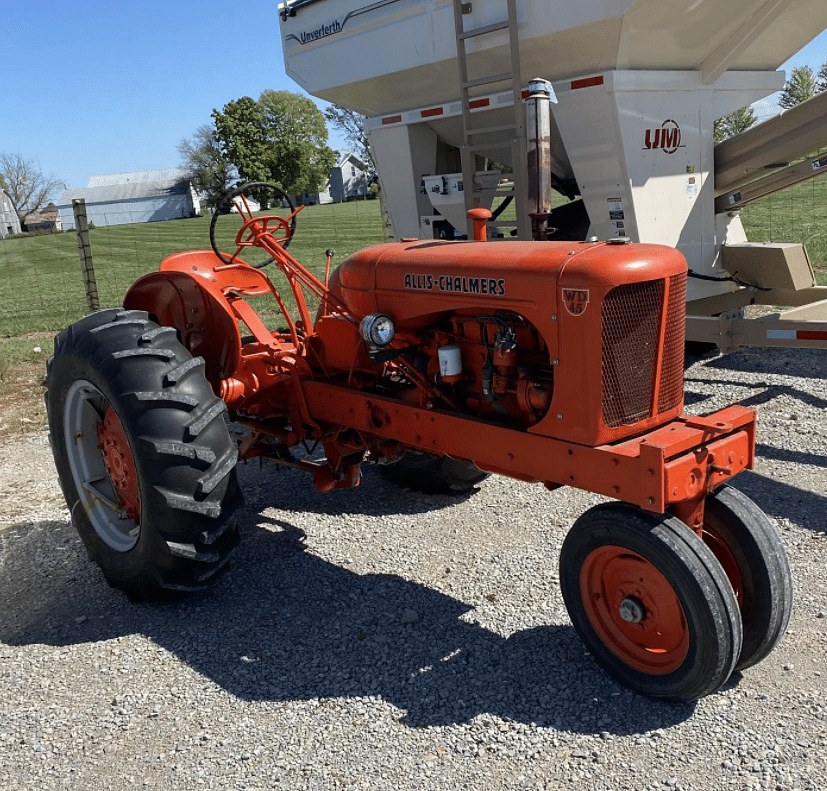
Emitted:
<point x="198" y="310"/>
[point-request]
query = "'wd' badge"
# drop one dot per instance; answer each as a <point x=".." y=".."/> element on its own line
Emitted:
<point x="576" y="300"/>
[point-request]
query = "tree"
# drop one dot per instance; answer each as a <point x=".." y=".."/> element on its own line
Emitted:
<point x="239" y="131"/>
<point x="822" y="78"/>
<point x="800" y="87"/>
<point x="734" y="123"/>
<point x="211" y="173"/>
<point x="28" y="189"/>
<point x="350" y="124"/>
<point x="280" y="138"/>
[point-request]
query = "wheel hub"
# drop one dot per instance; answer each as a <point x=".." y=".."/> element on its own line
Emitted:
<point x="120" y="465"/>
<point x="632" y="610"/>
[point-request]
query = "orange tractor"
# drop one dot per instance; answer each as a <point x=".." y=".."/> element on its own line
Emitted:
<point x="559" y="363"/>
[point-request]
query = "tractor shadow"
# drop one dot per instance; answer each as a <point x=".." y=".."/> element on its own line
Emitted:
<point x="268" y="484"/>
<point x="285" y="624"/>
<point x="376" y="497"/>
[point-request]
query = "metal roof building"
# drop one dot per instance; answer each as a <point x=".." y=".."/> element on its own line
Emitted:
<point x="125" y="198"/>
<point x="9" y="222"/>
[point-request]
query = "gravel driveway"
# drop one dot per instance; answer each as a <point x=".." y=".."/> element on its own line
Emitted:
<point x="382" y="639"/>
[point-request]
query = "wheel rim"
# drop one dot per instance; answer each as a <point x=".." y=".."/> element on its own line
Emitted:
<point x="120" y="465"/>
<point x="727" y="560"/>
<point x="634" y="610"/>
<point x="102" y="466"/>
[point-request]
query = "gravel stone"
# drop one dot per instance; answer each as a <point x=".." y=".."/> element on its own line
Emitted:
<point x="296" y="670"/>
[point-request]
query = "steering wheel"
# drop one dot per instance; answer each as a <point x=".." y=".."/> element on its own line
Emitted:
<point x="279" y="228"/>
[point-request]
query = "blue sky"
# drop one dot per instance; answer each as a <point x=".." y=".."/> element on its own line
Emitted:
<point x="110" y="87"/>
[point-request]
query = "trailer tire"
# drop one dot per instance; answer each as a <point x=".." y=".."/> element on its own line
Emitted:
<point x="430" y="474"/>
<point x="650" y="602"/>
<point x="144" y="457"/>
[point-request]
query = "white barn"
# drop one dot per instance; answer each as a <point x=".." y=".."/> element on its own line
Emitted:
<point x="125" y="198"/>
<point x="9" y="221"/>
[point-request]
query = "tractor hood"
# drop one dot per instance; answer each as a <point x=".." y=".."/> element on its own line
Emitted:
<point x="415" y="282"/>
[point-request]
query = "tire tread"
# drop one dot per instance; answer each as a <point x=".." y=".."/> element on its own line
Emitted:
<point x="186" y="459"/>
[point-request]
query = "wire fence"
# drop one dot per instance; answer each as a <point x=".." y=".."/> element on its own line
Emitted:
<point x="797" y="214"/>
<point x="41" y="277"/>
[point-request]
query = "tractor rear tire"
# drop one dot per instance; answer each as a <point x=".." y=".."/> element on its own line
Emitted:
<point x="429" y="474"/>
<point x="144" y="457"/>
<point x="742" y="538"/>
<point x="650" y="602"/>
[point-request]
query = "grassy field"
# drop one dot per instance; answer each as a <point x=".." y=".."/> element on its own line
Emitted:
<point x="798" y="214"/>
<point x="41" y="288"/>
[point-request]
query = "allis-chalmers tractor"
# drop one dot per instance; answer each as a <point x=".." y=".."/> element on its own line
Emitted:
<point x="559" y="363"/>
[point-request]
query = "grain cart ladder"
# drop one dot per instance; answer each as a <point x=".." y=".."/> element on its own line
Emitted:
<point x="472" y="133"/>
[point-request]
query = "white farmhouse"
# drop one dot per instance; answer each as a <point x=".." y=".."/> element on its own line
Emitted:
<point x="349" y="178"/>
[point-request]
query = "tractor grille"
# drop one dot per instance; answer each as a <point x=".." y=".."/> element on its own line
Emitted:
<point x="671" y="372"/>
<point x="631" y="330"/>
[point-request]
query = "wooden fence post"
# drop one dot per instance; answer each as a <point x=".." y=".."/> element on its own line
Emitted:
<point x="85" y="250"/>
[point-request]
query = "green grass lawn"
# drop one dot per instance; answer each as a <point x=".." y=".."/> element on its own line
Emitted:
<point x="41" y="287"/>
<point x="798" y="214"/>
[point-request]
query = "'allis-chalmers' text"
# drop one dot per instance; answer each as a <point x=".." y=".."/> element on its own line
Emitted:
<point x="456" y="284"/>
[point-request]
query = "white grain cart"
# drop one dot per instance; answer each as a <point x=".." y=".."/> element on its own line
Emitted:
<point x="610" y="102"/>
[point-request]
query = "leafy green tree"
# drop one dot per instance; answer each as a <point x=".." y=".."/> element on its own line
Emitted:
<point x="211" y="173"/>
<point x="2" y="182"/>
<point x="800" y="86"/>
<point x="28" y="189"/>
<point x="734" y="123"/>
<point x="239" y="131"/>
<point x="822" y="78"/>
<point x="281" y="138"/>
<point x="350" y="124"/>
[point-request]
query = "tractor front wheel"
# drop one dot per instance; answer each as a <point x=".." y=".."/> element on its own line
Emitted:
<point x="144" y="457"/>
<point x="748" y="548"/>
<point x="650" y="602"/>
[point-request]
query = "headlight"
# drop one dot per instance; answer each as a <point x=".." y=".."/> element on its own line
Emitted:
<point x="377" y="329"/>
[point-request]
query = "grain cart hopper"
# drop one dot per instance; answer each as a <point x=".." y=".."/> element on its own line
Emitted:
<point x="635" y="88"/>
<point x="558" y="363"/>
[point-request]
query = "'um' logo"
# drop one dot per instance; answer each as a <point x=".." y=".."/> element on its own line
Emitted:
<point x="667" y="138"/>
